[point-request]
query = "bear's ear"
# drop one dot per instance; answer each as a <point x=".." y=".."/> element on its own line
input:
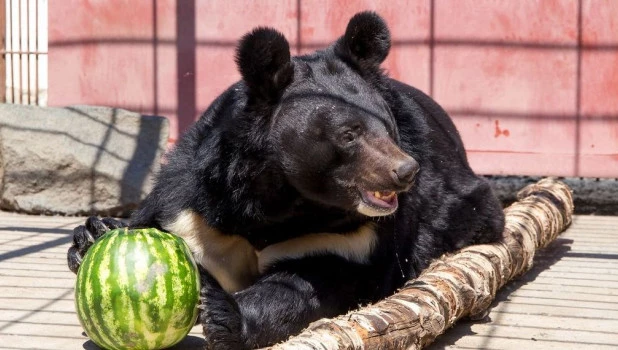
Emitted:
<point x="366" y="42"/>
<point x="263" y="59"/>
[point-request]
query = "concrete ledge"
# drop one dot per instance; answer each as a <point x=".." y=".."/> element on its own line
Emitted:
<point x="78" y="160"/>
<point x="591" y="195"/>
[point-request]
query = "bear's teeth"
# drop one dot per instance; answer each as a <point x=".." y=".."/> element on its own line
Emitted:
<point x="384" y="195"/>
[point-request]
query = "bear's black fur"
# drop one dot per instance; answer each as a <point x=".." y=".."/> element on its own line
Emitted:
<point x="285" y="188"/>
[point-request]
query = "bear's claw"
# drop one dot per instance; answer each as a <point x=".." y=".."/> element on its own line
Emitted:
<point x="85" y="235"/>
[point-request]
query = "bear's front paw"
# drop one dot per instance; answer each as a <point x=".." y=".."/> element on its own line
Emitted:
<point x="85" y="235"/>
<point x="220" y="317"/>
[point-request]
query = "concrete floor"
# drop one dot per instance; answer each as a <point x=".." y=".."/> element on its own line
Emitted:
<point x="569" y="300"/>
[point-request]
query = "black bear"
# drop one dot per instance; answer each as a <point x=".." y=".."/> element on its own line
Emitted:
<point x="314" y="185"/>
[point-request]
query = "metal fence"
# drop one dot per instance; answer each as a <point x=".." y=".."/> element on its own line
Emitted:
<point x="23" y="67"/>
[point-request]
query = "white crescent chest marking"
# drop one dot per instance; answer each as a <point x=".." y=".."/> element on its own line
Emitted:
<point x="353" y="246"/>
<point x="236" y="264"/>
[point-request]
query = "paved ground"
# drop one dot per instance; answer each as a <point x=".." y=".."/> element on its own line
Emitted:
<point x="36" y="288"/>
<point x="568" y="301"/>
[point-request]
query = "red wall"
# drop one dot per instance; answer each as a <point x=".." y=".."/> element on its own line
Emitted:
<point x="532" y="85"/>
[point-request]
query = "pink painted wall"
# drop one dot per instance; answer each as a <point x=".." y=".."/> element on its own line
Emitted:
<point x="532" y="85"/>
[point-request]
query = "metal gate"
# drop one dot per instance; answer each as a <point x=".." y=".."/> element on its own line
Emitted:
<point x="23" y="67"/>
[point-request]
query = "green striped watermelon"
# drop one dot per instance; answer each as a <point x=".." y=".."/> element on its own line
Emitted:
<point x="137" y="289"/>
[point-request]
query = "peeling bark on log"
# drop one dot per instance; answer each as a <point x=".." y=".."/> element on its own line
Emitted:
<point x="456" y="285"/>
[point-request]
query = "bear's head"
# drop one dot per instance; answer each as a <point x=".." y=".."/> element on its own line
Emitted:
<point x="330" y="128"/>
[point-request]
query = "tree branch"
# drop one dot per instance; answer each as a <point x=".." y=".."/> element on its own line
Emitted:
<point x="455" y="285"/>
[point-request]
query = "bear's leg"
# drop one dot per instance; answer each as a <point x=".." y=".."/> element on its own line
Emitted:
<point x="85" y="235"/>
<point x="265" y="313"/>
<point x="219" y="316"/>
<point x="279" y="305"/>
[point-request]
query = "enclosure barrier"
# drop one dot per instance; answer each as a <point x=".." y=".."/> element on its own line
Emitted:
<point x="454" y="286"/>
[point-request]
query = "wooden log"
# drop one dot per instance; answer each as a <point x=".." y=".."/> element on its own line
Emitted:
<point x="454" y="286"/>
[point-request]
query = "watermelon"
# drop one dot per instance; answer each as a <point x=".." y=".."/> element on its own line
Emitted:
<point x="137" y="289"/>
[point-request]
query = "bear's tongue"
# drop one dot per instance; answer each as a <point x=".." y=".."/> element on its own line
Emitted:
<point x="382" y="199"/>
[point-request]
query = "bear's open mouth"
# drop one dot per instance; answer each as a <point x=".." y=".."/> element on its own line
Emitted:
<point x="378" y="203"/>
<point x="381" y="199"/>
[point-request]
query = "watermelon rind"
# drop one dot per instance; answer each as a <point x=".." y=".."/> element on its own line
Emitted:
<point x="137" y="289"/>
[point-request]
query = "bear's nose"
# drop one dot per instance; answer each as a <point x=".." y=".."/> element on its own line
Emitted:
<point x="406" y="171"/>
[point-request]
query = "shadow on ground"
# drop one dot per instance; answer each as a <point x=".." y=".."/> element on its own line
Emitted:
<point x="190" y="342"/>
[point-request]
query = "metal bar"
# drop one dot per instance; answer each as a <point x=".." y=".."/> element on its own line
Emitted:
<point x="299" y="27"/>
<point x="155" y="56"/>
<point x="432" y="45"/>
<point x="21" y="66"/>
<point x="186" y="62"/>
<point x="17" y="52"/>
<point x="2" y="48"/>
<point x="578" y="90"/>
<point x="36" y="48"/>
<point x="28" y="48"/>
<point x="20" y="93"/>
<point x="10" y="36"/>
